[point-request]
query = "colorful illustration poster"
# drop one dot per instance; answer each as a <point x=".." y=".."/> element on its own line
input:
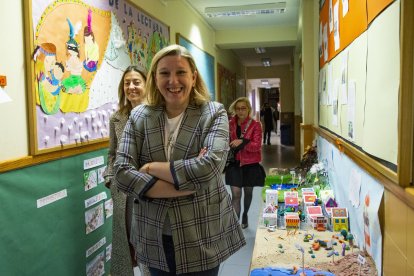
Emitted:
<point x="81" y="49"/>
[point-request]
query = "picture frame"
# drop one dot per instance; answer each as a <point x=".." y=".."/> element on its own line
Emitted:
<point x="76" y="55"/>
<point x="204" y="61"/>
<point x="226" y="85"/>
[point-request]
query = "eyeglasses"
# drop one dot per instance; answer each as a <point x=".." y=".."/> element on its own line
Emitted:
<point x="243" y="108"/>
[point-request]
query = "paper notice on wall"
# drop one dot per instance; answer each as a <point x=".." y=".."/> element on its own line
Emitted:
<point x="95" y="247"/>
<point x="354" y="187"/>
<point x="344" y="77"/>
<point x="325" y="42"/>
<point x="345" y="7"/>
<point x="330" y="83"/>
<point x="51" y="198"/>
<point x="337" y="39"/>
<point x="95" y="199"/>
<point x="351" y="109"/>
<point x="335" y="103"/>
<point x="4" y="98"/>
<point x="90" y="179"/>
<point x="93" y="162"/>
<point x="330" y="15"/>
<point x="101" y="172"/>
<point x="108" y="252"/>
<point x="94" y="218"/>
<point x="96" y="267"/>
<point x="109" y="208"/>
<point x="320" y="40"/>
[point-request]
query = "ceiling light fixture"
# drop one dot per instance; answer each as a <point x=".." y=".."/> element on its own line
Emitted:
<point x="242" y="10"/>
<point x="266" y="62"/>
<point x="260" y="50"/>
<point x="265" y="82"/>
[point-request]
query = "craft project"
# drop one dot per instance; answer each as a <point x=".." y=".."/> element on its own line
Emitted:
<point x="80" y="50"/>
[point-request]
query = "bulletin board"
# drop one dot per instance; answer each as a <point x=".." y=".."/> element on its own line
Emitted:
<point x="59" y="219"/>
<point x="78" y="52"/>
<point x="204" y="62"/>
<point x="359" y="84"/>
<point x="226" y="85"/>
<point x="353" y="18"/>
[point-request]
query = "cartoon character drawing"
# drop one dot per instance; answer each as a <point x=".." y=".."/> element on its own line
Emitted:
<point x="56" y="77"/>
<point x="74" y="84"/>
<point x="132" y="33"/>
<point x="91" y="47"/>
<point x="75" y="96"/>
<point x="156" y="42"/>
<point x="48" y="77"/>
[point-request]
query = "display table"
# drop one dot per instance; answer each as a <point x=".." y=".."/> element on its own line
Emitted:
<point x="277" y="249"/>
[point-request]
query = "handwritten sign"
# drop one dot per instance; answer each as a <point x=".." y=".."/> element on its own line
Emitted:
<point x="361" y="259"/>
<point x="93" y="162"/>
<point x="51" y="198"/>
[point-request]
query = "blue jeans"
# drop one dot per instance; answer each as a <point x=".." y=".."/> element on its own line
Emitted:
<point x="168" y="244"/>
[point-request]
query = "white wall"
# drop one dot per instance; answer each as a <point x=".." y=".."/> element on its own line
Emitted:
<point x="13" y="114"/>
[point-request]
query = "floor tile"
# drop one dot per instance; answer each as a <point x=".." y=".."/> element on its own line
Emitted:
<point x="273" y="156"/>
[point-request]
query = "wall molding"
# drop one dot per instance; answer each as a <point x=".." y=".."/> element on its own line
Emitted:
<point x="32" y="160"/>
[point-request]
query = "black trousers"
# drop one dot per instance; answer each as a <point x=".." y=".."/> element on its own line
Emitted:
<point x="168" y="245"/>
<point x="266" y="136"/>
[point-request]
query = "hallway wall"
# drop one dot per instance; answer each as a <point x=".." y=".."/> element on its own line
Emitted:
<point x="14" y="143"/>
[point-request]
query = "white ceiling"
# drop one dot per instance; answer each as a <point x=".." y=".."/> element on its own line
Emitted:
<point x="246" y="54"/>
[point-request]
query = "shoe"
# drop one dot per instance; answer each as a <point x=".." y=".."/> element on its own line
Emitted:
<point x="244" y="223"/>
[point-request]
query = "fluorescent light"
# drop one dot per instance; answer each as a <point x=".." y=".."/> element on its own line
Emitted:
<point x="260" y="50"/>
<point x="265" y="82"/>
<point x="266" y="62"/>
<point x="241" y="10"/>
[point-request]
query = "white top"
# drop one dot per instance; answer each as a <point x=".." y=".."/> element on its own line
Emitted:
<point x="171" y="132"/>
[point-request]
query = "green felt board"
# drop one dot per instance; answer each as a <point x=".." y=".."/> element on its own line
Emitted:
<point x="50" y="240"/>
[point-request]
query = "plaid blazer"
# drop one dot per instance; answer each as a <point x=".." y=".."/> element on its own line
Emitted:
<point x="204" y="226"/>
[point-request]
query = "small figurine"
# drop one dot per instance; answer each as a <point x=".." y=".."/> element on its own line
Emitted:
<point x="350" y="238"/>
<point x="332" y="254"/>
<point x="343" y="249"/>
<point x="316" y="245"/>
<point x="344" y="233"/>
<point x="300" y="248"/>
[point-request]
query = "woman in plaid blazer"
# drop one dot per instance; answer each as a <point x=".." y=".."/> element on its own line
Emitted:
<point x="170" y="158"/>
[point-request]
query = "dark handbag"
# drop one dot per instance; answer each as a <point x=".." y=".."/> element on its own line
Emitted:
<point x="231" y="156"/>
<point x="231" y="159"/>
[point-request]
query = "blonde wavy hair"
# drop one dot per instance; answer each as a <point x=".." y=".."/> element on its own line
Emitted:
<point x="199" y="94"/>
<point x="232" y="107"/>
